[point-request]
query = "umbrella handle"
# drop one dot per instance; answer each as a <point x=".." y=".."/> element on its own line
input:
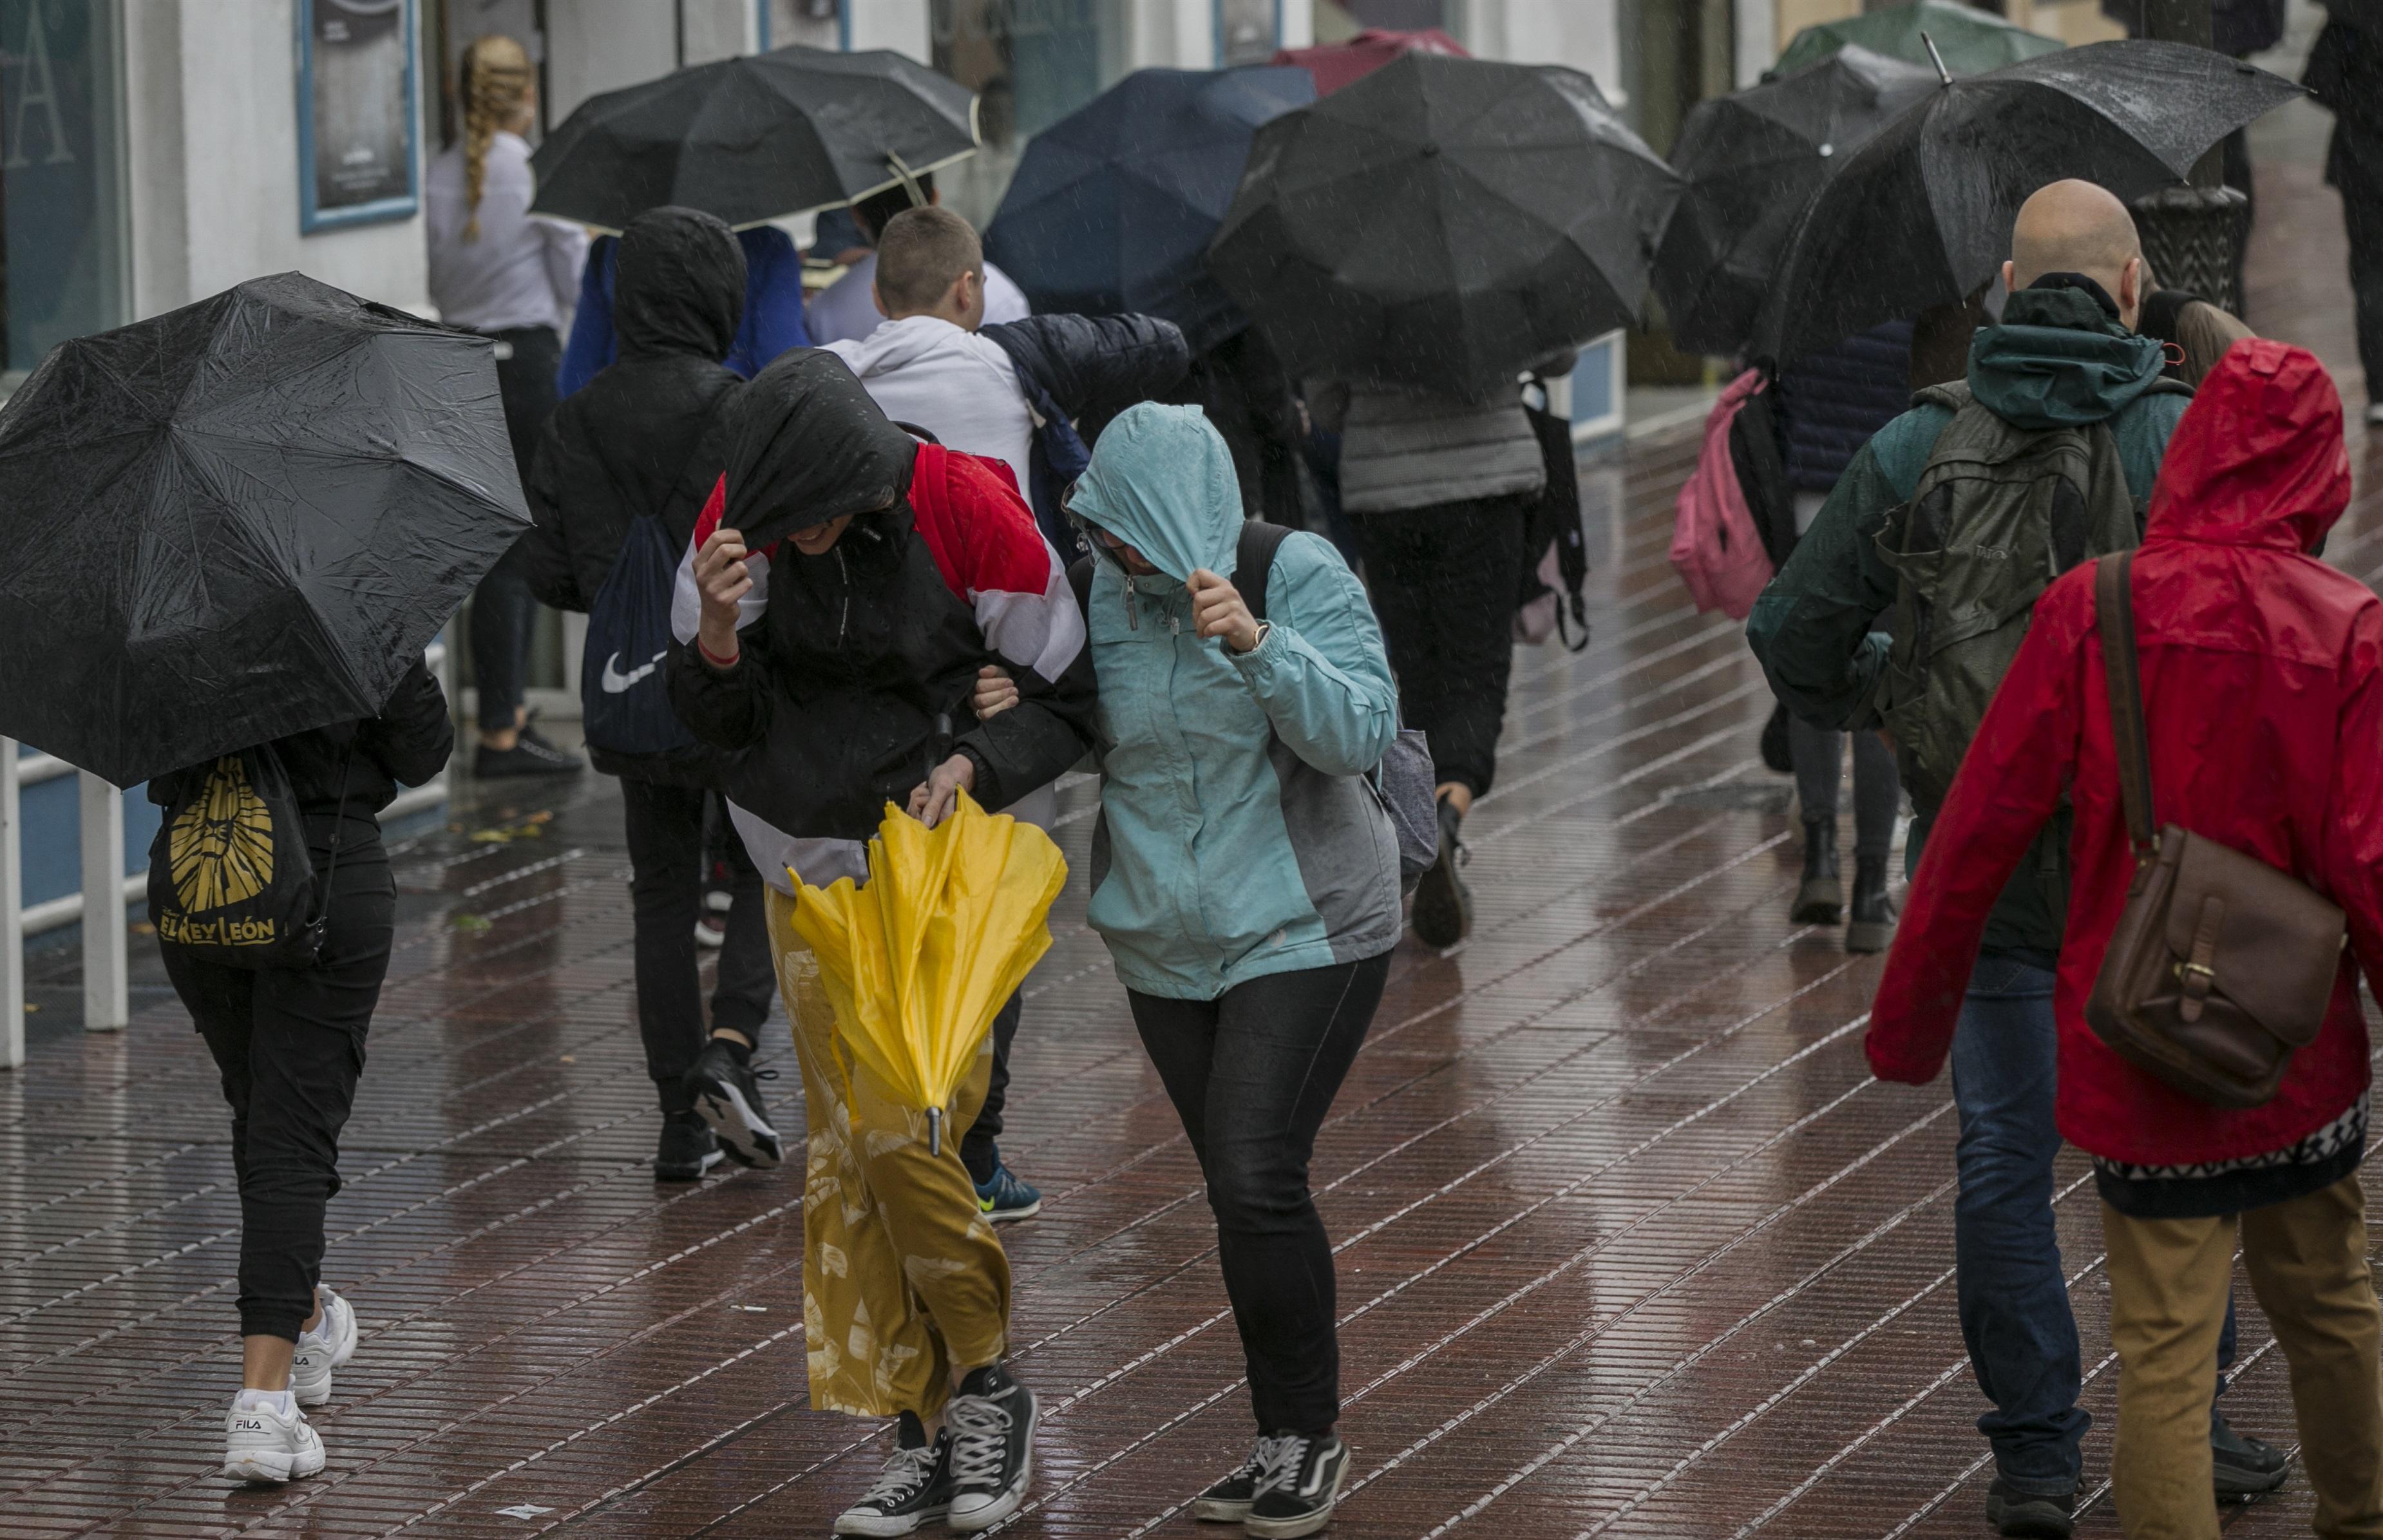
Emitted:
<point x="934" y="1130"/>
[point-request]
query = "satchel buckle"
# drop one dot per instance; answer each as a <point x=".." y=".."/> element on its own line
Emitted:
<point x="2210" y="974"/>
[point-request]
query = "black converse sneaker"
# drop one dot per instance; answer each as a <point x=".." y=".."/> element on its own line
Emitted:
<point x="914" y="1489"/>
<point x="1229" y="1501"/>
<point x="1296" y="1489"/>
<point x="992" y="1426"/>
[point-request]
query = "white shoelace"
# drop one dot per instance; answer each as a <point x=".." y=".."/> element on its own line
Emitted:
<point x="905" y="1473"/>
<point x="1276" y="1463"/>
<point x="980" y="1430"/>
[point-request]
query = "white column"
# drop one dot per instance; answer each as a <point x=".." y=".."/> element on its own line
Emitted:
<point x="105" y="1001"/>
<point x="1758" y="39"/>
<point x="12" y="913"/>
<point x="1298" y="23"/>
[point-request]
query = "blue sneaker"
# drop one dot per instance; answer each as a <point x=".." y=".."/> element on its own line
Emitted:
<point x="1006" y="1198"/>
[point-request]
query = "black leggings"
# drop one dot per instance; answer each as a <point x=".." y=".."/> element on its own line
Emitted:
<point x="290" y="1043"/>
<point x="668" y="861"/>
<point x="1252" y="1074"/>
<point x="1445" y="580"/>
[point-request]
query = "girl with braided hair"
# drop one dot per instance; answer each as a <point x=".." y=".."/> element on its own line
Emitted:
<point x="502" y="270"/>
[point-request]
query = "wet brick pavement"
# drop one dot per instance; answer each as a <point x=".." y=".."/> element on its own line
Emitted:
<point x="1629" y="1243"/>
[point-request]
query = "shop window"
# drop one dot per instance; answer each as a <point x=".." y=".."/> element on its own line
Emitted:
<point x="62" y="261"/>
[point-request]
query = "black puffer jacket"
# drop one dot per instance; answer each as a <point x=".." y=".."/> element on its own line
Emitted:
<point x="1078" y="372"/>
<point x="854" y="680"/>
<point x="647" y="435"/>
<point x="1832" y="403"/>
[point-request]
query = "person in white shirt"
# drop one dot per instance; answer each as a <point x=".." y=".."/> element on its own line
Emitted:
<point x="845" y="310"/>
<point x="505" y="272"/>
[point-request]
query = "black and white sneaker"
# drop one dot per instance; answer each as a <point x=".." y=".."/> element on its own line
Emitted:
<point x="1297" y="1487"/>
<point x="687" y="1148"/>
<point x="992" y="1426"/>
<point x="1229" y="1501"/>
<point x="914" y="1489"/>
<point x="728" y="1095"/>
<point x="531" y="754"/>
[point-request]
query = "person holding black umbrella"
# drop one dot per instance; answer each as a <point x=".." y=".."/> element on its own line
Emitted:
<point x="284" y="491"/>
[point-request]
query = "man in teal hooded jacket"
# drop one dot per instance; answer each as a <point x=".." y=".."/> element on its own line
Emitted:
<point x="2065" y="354"/>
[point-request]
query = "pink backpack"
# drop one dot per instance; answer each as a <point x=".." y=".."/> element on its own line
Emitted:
<point x="1716" y="547"/>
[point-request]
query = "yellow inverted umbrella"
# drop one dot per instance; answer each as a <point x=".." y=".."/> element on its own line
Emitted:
<point x="918" y="964"/>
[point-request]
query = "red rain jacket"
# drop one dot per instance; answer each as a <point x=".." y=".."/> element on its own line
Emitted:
<point x="2263" y="684"/>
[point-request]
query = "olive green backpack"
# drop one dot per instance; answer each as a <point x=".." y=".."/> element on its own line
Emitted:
<point x="2000" y="511"/>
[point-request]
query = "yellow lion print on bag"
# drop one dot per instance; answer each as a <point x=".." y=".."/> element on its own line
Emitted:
<point x="222" y="846"/>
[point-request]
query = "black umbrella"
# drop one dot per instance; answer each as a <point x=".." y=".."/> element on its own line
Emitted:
<point x="240" y="520"/>
<point x="755" y="138"/>
<point x="1114" y="205"/>
<point x="1921" y="215"/>
<point x="1753" y="160"/>
<point x="1443" y="222"/>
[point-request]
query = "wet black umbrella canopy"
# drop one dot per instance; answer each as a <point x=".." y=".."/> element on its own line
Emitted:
<point x="1921" y="215"/>
<point x="1443" y="222"/>
<point x="1752" y="160"/>
<point x="755" y="138"/>
<point x="240" y="520"/>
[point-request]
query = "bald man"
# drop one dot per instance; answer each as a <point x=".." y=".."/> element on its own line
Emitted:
<point x="2064" y="355"/>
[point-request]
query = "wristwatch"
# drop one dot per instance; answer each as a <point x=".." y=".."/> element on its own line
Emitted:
<point x="1263" y="626"/>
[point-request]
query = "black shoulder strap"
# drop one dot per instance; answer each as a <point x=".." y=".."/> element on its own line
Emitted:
<point x="1080" y="578"/>
<point x="1253" y="561"/>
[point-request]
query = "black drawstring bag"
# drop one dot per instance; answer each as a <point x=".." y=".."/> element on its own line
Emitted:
<point x="230" y="880"/>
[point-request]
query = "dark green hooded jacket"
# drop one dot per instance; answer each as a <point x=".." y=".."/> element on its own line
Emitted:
<point x="2056" y="360"/>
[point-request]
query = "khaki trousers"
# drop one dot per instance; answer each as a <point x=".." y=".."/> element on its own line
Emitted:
<point x="903" y="1277"/>
<point x="2169" y="1281"/>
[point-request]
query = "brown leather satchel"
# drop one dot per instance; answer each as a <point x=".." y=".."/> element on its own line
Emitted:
<point x="2221" y="965"/>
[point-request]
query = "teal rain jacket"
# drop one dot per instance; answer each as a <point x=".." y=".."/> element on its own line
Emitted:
<point x="1240" y="835"/>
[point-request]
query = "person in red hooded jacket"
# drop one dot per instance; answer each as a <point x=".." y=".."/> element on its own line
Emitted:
<point x="2263" y="687"/>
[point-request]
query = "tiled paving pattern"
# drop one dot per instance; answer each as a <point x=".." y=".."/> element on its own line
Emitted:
<point x="1630" y="1243"/>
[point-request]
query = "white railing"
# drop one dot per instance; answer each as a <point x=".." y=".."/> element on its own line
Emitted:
<point x="105" y="890"/>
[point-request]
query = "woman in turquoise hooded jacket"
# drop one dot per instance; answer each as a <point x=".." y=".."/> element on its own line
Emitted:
<point x="1245" y="877"/>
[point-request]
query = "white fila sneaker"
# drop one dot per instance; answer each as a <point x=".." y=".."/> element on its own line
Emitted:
<point x="330" y="1344"/>
<point x="267" y="1444"/>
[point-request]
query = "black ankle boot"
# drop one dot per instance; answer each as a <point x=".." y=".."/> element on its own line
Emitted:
<point x="1870" y="925"/>
<point x="1820" y="900"/>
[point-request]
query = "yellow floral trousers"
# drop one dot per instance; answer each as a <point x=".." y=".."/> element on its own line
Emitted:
<point x="903" y="1277"/>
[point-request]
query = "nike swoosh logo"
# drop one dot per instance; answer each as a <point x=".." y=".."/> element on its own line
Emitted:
<point x="616" y="682"/>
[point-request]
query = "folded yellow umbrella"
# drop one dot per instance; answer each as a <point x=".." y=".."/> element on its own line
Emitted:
<point x="918" y="964"/>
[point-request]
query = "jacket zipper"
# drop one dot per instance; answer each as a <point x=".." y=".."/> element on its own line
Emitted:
<point x="843" y="614"/>
<point x="1133" y="621"/>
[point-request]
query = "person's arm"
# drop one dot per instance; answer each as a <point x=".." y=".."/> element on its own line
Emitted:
<point x="2010" y="785"/>
<point x="564" y="255"/>
<point x="546" y="550"/>
<point x="1096" y="366"/>
<point x="2353" y="823"/>
<point x="1320" y="672"/>
<point x="718" y="686"/>
<point x="1811" y="626"/>
<point x="590" y="344"/>
<point x="414" y="733"/>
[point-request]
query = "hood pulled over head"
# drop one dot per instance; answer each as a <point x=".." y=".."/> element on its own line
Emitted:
<point x="2258" y="458"/>
<point x="2057" y="359"/>
<point x="678" y="284"/>
<point x="810" y="446"/>
<point x="1161" y="480"/>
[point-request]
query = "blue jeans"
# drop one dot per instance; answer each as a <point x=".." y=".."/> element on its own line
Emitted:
<point x="2014" y="1294"/>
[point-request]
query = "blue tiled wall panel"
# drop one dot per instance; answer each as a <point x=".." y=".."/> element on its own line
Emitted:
<point x="53" y="837"/>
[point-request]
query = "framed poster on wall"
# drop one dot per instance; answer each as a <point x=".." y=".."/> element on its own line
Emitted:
<point x="356" y="113"/>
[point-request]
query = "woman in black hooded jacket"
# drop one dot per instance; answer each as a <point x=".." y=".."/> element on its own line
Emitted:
<point x="648" y="435"/>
